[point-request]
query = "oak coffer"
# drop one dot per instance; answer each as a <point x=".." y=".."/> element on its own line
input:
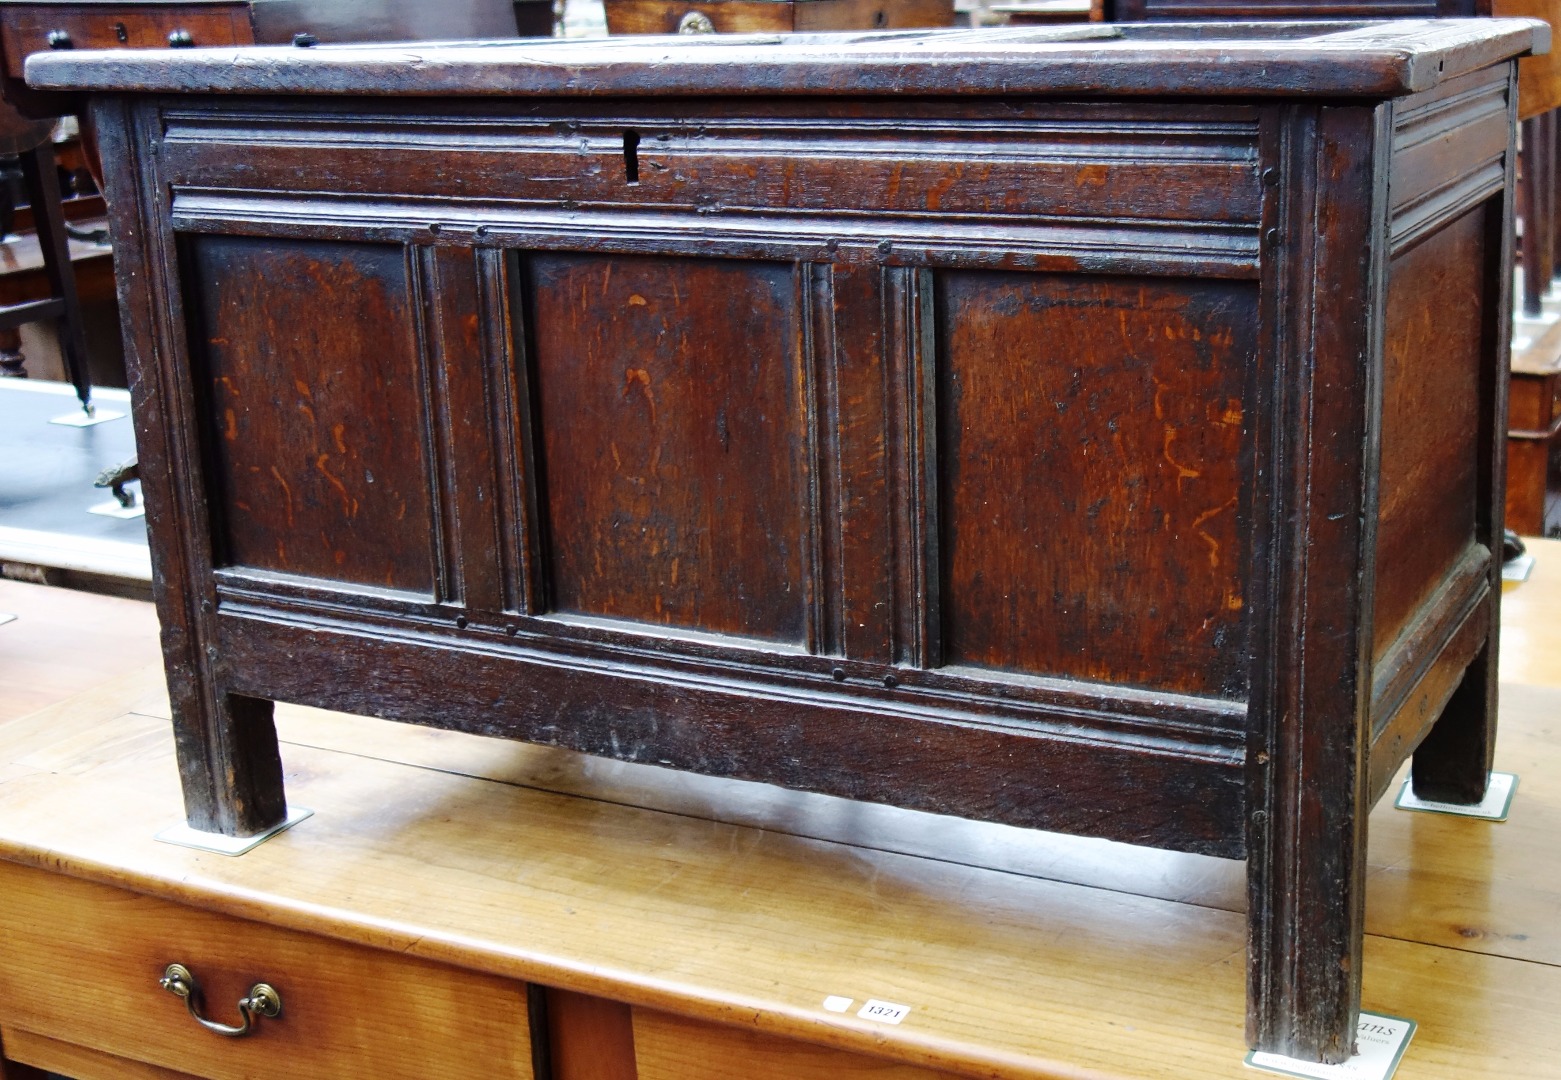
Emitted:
<point x="1095" y="429"/>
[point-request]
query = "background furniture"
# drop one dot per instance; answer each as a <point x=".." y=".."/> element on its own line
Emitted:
<point x="991" y="447"/>
<point x="685" y="927"/>
<point x="39" y="25"/>
<point x="1042" y="12"/>
<point x="1534" y="439"/>
<point x="30" y="26"/>
<point x="24" y="277"/>
<point x="57" y="302"/>
<point x="762" y="16"/>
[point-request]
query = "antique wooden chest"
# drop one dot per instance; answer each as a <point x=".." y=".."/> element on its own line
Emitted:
<point x="1095" y="429"/>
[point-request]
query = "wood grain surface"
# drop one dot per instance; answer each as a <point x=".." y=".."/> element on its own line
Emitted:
<point x="55" y="1058"/>
<point x="83" y="962"/>
<point x="672" y="1048"/>
<point x="1126" y="456"/>
<point x="64" y="641"/>
<point x="1151" y="624"/>
<point x="1021" y="954"/>
<point x="1407" y="56"/>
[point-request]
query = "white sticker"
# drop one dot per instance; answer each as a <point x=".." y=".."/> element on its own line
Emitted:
<point x="1495" y="807"/>
<point x="1379" y="1044"/>
<point x="885" y="1012"/>
<point x="836" y="1003"/>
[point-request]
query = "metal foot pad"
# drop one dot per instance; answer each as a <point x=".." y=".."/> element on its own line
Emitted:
<point x="1494" y="807"/>
<point x="114" y="509"/>
<point x="184" y="836"/>
<point x="1517" y="569"/>
<point x="1380" y="1042"/>
<point x="83" y="419"/>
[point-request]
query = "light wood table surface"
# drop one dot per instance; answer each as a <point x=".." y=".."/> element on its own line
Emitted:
<point x="692" y="928"/>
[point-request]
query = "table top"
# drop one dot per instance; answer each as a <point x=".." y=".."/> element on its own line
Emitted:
<point x="1021" y="954"/>
<point x="1351" y="59"/>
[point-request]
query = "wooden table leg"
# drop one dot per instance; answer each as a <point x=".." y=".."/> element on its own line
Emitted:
<point x="43" y="191"/>
<point x="1536" y="195"/>
<point x="1545" y="209"/>
<point x="12" y="362"/>
<point x="1551" y="210"/>
<point x="1453" y="764"/>
<point x="228" y="759"/>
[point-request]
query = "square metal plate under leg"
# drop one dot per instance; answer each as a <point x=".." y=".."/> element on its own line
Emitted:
<point x="1517" y="569"/>
<point x="85" y="419"/>
<point x="1494" y="807"/>
<point x="1380" y="1043"/>
<point x="113" y="509"/>
<point x="184" y="836"/>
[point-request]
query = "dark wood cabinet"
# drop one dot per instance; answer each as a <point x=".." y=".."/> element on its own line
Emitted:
<point x="1534" y="442"/>
<point x="1092" y="429"/>
<point x="32" y="26"/>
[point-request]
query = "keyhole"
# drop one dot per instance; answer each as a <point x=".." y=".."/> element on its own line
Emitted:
<point x="631" y="156"/>
<point x="121" y="33"/>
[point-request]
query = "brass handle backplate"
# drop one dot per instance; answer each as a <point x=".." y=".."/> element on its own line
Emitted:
<point x="262" y="1000"/>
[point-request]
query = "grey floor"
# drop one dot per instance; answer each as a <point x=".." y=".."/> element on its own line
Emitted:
<point x="46" y="482"/>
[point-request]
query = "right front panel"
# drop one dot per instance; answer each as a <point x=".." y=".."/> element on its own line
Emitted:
<point x="1090" y="476"/>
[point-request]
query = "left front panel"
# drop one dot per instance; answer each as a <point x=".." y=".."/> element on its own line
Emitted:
<point x="307" y="352"/>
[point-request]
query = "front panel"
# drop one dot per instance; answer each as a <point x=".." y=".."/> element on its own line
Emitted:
<point x="623" y="403"/>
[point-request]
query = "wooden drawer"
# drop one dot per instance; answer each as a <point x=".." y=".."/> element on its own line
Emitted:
<point x="82" y="963"/>
<point x="27" y="28"/>
<point x="670" y="1047"/>
<point x="1534" y="403"/>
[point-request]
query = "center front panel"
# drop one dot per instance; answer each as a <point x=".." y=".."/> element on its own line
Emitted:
<point x="674" y="441"/>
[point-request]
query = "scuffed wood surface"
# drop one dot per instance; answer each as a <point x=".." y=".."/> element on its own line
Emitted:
<point x="1374" y="59"/>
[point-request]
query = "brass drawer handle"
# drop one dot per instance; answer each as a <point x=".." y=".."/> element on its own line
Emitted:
<point x="262" y="1000"/>
<point x="696" y="22"/>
